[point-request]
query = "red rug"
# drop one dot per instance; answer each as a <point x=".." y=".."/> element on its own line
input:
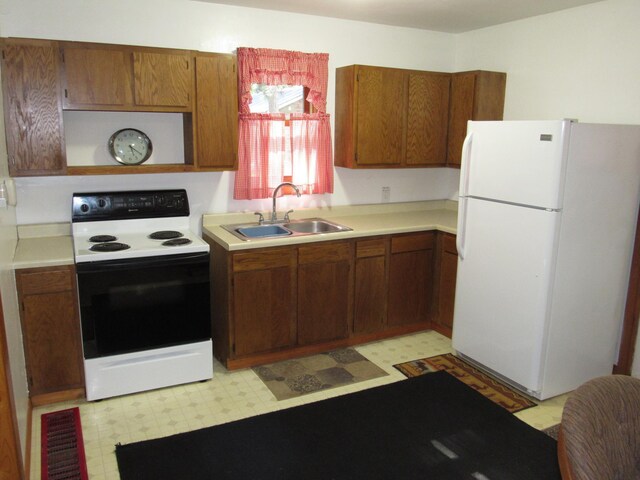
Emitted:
<point x="62" y="447"/>
<point x="491" y="388"/>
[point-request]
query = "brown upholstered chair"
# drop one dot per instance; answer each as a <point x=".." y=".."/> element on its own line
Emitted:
<point x="599" y="436"/>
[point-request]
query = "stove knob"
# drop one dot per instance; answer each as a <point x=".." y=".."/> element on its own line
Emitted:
<point x="102" y="203"/>
<point x="84" y="208"/>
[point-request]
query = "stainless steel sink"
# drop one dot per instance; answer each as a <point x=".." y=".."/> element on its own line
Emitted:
<point x="315" y="226"/>
<point x="259" y="231"/>
<point x="292" y="228"/>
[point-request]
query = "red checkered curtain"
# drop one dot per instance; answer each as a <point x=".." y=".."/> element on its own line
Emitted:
<point x="273" y="146"/>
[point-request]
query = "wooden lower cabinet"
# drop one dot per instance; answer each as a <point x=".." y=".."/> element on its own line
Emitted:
<point x="370" y="294"/>
<point x="263" y="300"/>
<point x="410" y="278"/>
<point x="51" y="329"/>
<point x="324" y="293"/>
<point x="272" y="304"/>
<point x="445" y="283"/>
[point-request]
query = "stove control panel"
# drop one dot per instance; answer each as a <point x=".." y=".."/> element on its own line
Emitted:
<point x="91" y="207"/>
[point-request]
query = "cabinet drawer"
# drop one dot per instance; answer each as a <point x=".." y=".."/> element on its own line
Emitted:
<point x="36" y="282"/>
<point x="329" y="252"/>
<point x="371" y="248"/>
<point x="281" y="257"/>
<point x="412" y="243"/>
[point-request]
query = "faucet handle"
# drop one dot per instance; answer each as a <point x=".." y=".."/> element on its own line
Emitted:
<point x="260" y="218"/>
<point x="286" y="216"/>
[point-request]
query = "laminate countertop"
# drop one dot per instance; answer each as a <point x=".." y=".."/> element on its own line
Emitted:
<point x="46" y="245"/>
<point x="364" y="220"/>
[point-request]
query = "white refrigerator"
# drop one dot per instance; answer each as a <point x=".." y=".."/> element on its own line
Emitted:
<point x="546" y="223"/>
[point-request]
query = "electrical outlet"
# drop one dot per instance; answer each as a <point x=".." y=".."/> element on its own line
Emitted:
<point x="386" y="194"/>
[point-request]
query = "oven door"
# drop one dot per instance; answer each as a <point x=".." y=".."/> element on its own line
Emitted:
<point x="143" y="303"/>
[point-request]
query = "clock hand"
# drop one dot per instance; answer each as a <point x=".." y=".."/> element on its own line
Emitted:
<point x="134" y="150"/>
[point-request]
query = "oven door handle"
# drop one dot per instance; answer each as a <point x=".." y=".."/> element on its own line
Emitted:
<point x="106" y="265"/>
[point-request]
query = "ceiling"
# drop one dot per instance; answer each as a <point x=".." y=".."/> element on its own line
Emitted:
<point x="453" y="16"/>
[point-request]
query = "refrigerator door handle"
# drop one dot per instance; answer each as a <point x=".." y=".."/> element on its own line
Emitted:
<point x="464" y="172"/>
<point x="462" y="200"/>
<point x="462" y="225"/>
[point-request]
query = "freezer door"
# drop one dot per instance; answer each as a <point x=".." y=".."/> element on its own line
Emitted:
<point x="503" y="288"/>
<point x="518" y="162"/>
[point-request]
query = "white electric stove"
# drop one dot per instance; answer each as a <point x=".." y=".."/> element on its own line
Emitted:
<point x="143" y="287"/>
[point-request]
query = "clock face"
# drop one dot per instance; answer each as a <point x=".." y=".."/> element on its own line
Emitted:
<point x="130" y="146"/>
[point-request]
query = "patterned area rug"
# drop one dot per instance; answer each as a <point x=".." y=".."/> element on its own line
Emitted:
<point x="471" y="376"/>
<point x="293" y="378"/>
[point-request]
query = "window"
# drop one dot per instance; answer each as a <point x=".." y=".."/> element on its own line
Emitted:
<point x="280" y="139"/>
<point x="277" y="99"/>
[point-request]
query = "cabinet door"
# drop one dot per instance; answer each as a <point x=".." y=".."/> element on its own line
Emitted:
<point x="381" y="117"/>
<point x="445" y="291"/>
<point x="216" y="111"/>
<point x="324" y="292"/>
<point x="477" y="95"/>
<point x="162" y="79"/>
<point x="264" y="307"/>
<point x="96" y="77"/>
<point x="427" y="118"/>
<point x="370" y="286"/>
<point x="462" y="97"/>
<point x="51" y="329"/>
<point x="32" y="109"/>
<point x="410" y="278"/>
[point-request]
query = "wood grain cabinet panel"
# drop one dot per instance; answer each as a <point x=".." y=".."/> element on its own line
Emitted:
<point x="126" y="78"/>
<point x="216" y="111"/>
<point x="263" y="301"/>
<point x="51" y="329"/>
<point x="32" y="108"/>
<point x="387" y="117"/>
<point x="162" y="79"/>
<point x="445" y="283"/>
<point x="324" y="292"/>
<point x="95" y="77"/>
<point x="370" y="292"/>
<point x="380" y="116"/>
<point x="476" y="95"/>
<point x="410" y="278"/>
<point x="427" y="118"/>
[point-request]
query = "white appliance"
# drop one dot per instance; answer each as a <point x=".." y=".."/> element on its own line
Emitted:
<point x="546" y="225"/>
<point x="143" y="290"/>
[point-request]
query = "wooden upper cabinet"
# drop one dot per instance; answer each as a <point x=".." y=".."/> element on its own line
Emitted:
<point x="476" y="95"/>
<point x="32" y="110"/>
<point x="96" y="77"/>
<point x="163" y="79"/>
<point x="388" y="117"/>
<point x="380" y="116"/>
<point x="119" y="77"/>
<point x="216" y="111"/>
<point x="427" y="117"/>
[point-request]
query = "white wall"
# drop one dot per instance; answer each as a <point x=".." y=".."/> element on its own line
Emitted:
<point x="580" y="63"/>
<point x="209" y="27"/>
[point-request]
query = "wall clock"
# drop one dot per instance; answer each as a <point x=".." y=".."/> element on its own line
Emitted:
<point x="130" y="146"/>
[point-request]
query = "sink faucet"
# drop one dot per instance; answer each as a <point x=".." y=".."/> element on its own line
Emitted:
<point x="274" y="215"/>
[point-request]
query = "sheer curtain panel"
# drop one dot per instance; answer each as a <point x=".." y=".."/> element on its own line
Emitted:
<point x="277" y="147"/>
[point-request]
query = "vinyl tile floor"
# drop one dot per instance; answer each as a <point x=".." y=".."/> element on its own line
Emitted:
<point x="229" y="396"/>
